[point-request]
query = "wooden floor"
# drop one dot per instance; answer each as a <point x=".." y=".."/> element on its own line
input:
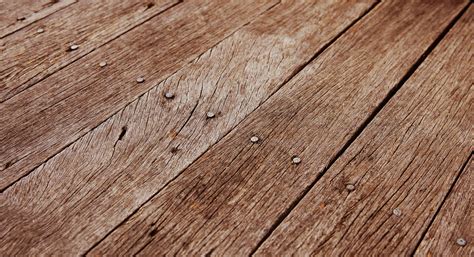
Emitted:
<point x="229" y="128"/>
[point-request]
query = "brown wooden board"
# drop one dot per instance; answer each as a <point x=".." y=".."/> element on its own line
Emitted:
<point x="39" y="50"/>
<point x="452" y="232"/>
<point x="77" y="197"/>
<point x="45" y="118"/>
<point x="17" y="14"/>
<point x="401" y="166"/>
<point x="229" y="199"/>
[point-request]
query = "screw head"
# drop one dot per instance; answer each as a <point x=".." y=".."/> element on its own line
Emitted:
<point x="40" y="30"/>
<point x="140" y="80"/>
<point x="350" y="187"/>
<point x="210" y="115"/>
<point x="169" y="95"/>
<point x="103" y="64"/>
<point x="397" y="212"/>
<point x="254" y="139"/>
<point x="73" y="47"/>
<point x="296" y="160"/>
<point x="461" y="241"/>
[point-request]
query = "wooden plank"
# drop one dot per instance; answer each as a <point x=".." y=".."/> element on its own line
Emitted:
<point x="452" y="233"/>
<point x="94" y="184"/>
<point x="227" y="201"/>
<point x="44" y="119"/>
<point x="17" y="14"/>
<point x="401" y="166"/>
<point x="30" y="55"/>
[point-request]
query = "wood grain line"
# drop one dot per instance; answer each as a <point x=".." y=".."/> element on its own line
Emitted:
<point x="226" y="201"/>
<point x="39" y="122"/>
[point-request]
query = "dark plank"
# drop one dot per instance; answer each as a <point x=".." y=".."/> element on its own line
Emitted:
<point x="40" y="50"/>
<point x="452" y="233"/>
<point x="17" y="14"/>
<point x="98" y="181"/>
<point x="401" y="167"/>
<point x="47" y="117"/>
<point x="227" y="201"/>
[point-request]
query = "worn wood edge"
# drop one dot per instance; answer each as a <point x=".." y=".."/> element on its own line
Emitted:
<point x="452" y="202"/>
<point x="260" y="251"/>
<point x="36" y="17"/>
<point x="148" y="204"/>
<point x="68" y="60"/>
<point x="23" y="165"/>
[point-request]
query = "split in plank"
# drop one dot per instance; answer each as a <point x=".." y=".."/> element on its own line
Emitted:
<point x="102" y="178"/>
<point x="17" y="14"/>
<point x="452" y="233"/>
<point x="227" y="200"/>
<point x="401" y="167"/>
<point x="45" y="118"/>
<point x="39" y="50"/>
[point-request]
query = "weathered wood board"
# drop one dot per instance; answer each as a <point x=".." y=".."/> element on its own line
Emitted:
<point x="401" y="167"/>
<point x="45" y="118"/>
<point x="94" y="184"/>
<point x="39" y="50"/>
<point x="17" y="14"/>
<point x="229" y="199"/>
<point x="452" y="232"/>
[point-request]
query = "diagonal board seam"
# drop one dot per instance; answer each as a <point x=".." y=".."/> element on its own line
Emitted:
<point x="83" y="133"/>
<point x="35" y="21"/>
<point x="361" y="128"/>
<point x="438" y="210"/>
<point x="85" y="54"/>
<point x="293" y="74"/>
<point x="296" y="71"/>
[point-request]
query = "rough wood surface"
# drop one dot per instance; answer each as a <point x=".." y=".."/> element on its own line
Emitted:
<point x="401" y="166"/>
<point x="455" y="221"/>
<point x="18" y="14"/>
<point x="227" y="200"/>
<point x="29" y="56"/>
<point x="97" y="182"/>
<point x="45" y="118"/>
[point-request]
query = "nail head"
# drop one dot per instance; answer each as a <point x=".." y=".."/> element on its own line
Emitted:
<point x="103" y="64"/>
<point x="210" y="115"/>
<point x="140" y="80"/>
<point x="350" y="187"/>
<point x="169" y="95"/>
<point x="461" y="241"/>
<point x="296" y="159"/>
<point x="40" y="30"/>
<point x="74" y="47"/>
<point x="254" y="139"/>
<point x="397" y="212"/>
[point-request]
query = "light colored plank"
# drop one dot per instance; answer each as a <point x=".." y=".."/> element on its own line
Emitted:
<point x="17" y="14"/>
<point x="44" y="119"/>
<point x="455" y="222"/>
<point x="97" y="182"/>
<point x="227" y="200"/>
<point x="29" y="55"/>
<point x="401" y="166"/>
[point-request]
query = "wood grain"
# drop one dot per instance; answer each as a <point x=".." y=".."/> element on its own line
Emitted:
<point x="98" y="181"/>
<point x="227" y="200"/>
<point x="401" y="166"/>
<point x="29" y="56"/>
<point x="455" y="221"/>
<point x="42" y="120"/>
<point x="17" y="14"/>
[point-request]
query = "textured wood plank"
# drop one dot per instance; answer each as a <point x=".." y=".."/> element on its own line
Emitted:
<point x="29" y="56"/>
<point x="401" y="166"/>
<point x="44" y="119"/>
<point x="227" y="200"/>
<point x="454" y="223"/>
<point x="17" y="14"/>
<point x="97" y="182"/>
